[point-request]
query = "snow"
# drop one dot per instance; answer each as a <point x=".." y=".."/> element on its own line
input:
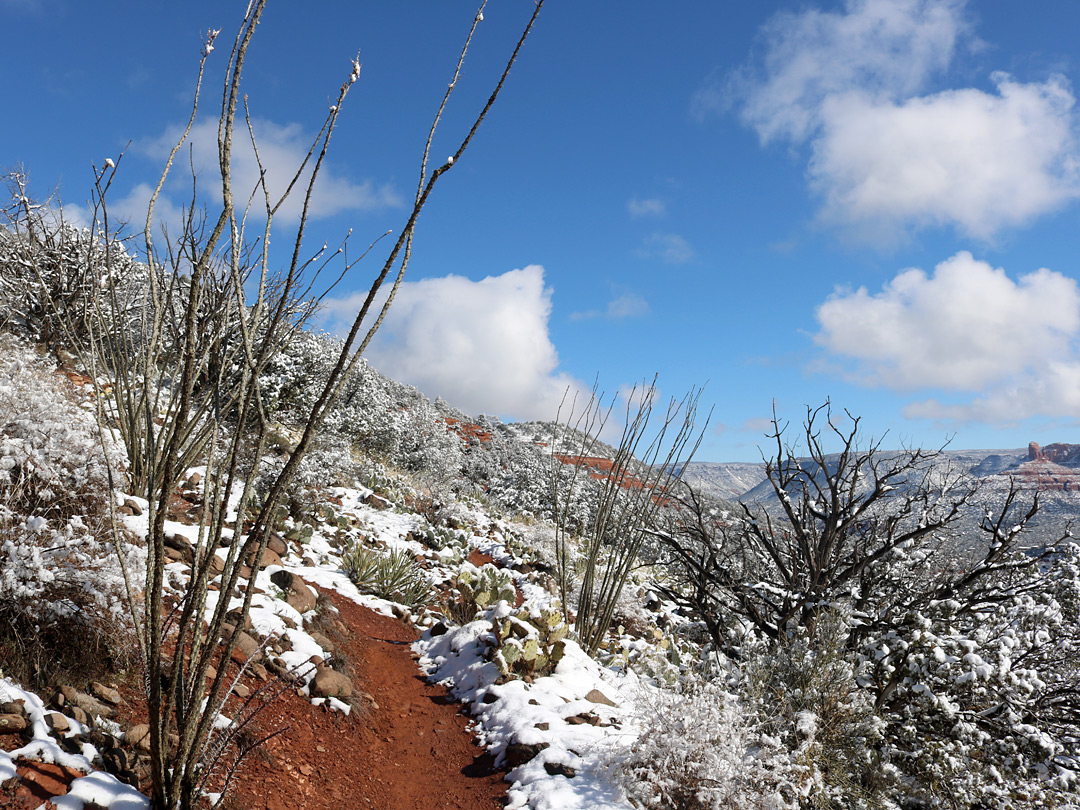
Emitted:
<point x="99" y="787"/>
<point x="104" y="790"/>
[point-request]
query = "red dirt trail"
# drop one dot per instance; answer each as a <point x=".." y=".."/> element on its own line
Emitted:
<point x="412" y="752"/>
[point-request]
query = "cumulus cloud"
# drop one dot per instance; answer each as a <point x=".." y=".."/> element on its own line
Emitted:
<point x="1053" y="391"/>
<point x="650" y="207"/>
<point x="979" y="161"/>
<point x="670" y="248"/>
<point x="884" y="152"/>
<point x="483" y="346"/>
<point x="889" y="48"/>
<point x="282" y="148"/>
<point x="968" y="328"/>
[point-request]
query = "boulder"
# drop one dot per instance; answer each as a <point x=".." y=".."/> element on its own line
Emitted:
<point x="13" y="723"/>
<point x="518" y="754"/>
<point x="596" y="696"/>
<point x="559" y="769"/>
<point x="92" y="706"/>
<point x="297" y="593"/>
<point x="247" y="648"/>
<point x="138" y="736"/>
<point x="276" y="543"/>
<point x="106" y="693"/>
<point x="57" y="723"/>
<point x="330" y="683"/>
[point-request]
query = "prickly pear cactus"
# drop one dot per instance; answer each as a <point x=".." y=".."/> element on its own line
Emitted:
<point x="529" y="646"/>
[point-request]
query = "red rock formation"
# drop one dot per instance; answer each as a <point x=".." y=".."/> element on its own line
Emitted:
<point x="467" y="430"/>
<point x="1057" y="453"/>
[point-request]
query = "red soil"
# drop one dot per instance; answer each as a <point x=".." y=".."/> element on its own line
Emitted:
<point x="410" y="750"/>
<point x="405" y="745"/>
<point x="35" y="783"/>
<point x="467" y="430"/>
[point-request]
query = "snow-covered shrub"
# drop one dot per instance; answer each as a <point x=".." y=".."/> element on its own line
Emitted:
<point x="381" y="418"/>
<point x="699" y="749"/>
<point x="51" y="271"/>
<point x="58" y="567"/>
<point x="807" y="700"/>
<point x="981" y="697"/>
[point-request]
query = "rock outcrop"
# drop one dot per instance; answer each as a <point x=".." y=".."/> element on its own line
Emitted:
<point x="1053" y="468"/>
<point x="1057" y="453"/>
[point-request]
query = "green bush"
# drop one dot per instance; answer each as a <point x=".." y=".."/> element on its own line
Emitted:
<point x="395" y="576"/>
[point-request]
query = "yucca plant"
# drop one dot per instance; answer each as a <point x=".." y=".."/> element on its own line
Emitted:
<point x="395" y="576"/>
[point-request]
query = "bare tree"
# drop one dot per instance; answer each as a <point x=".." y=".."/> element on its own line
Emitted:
<point x="634" y="486"/>
<point x="838" y="521"/>
<point x="946" y="642"/>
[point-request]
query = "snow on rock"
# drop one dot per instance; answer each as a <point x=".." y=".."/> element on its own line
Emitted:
<point x="99" y="787"/>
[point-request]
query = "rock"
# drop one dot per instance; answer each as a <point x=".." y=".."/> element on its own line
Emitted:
<point x="519" y="753"/>
<point x="330" y="683"/>
<point x="269" y="557"/>
<point x="246" y="646"/>
<point x="438" y="629"/>
<point x="93" y="706"/>
<point x="596" y="696"/>
<point x="1057" y="453"/>
<point x="585" y="718"/>
<point x="106" y="693"/>
<point x="322" y="641"/>
<point x="377" y="501"/>
<point x="79" y="715"/>
<point x="489" y="697"/>
<point x="233" y="618"/>
<point x="297" y="593"/>
<point x="241" y="691"/>
<point x="181" y="546"/>
<point x="13" y="707"/>
<point x="259" y="671"/>
<point x="559" y="769"/>
<point x="138" y="736"/>
<point x="13" y="723"/>
<point x="132" y="506"/>
<point x="65" y="695"/>
<point x="57" y="723"/>
<point x="277" y="544"/>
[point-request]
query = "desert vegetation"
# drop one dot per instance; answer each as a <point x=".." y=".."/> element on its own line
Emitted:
<point x="842" y="646"/>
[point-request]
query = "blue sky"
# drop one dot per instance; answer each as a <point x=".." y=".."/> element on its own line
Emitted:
<point x="873" y="201"/>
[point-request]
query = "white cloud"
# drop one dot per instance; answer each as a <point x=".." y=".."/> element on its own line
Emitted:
<point x="282" y="148"/>
<point x="1053" y="390"/>
<point x="624" y="305"/>
<point x="888" y="156"/>
<point x="651" y="207"/>
<point x="670" y="248"/>
<point x="481" y="345"/>
<point x="888" y="48"/>
<point x="968" y="328"/>
<point x="976" y="160"/>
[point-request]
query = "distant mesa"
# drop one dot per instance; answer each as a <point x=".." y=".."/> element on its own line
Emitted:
<point x="1057" y="453"/>
<point x="1054" y="467"/>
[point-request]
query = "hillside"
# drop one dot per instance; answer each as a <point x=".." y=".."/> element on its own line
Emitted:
<point x="212" y="589"/>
